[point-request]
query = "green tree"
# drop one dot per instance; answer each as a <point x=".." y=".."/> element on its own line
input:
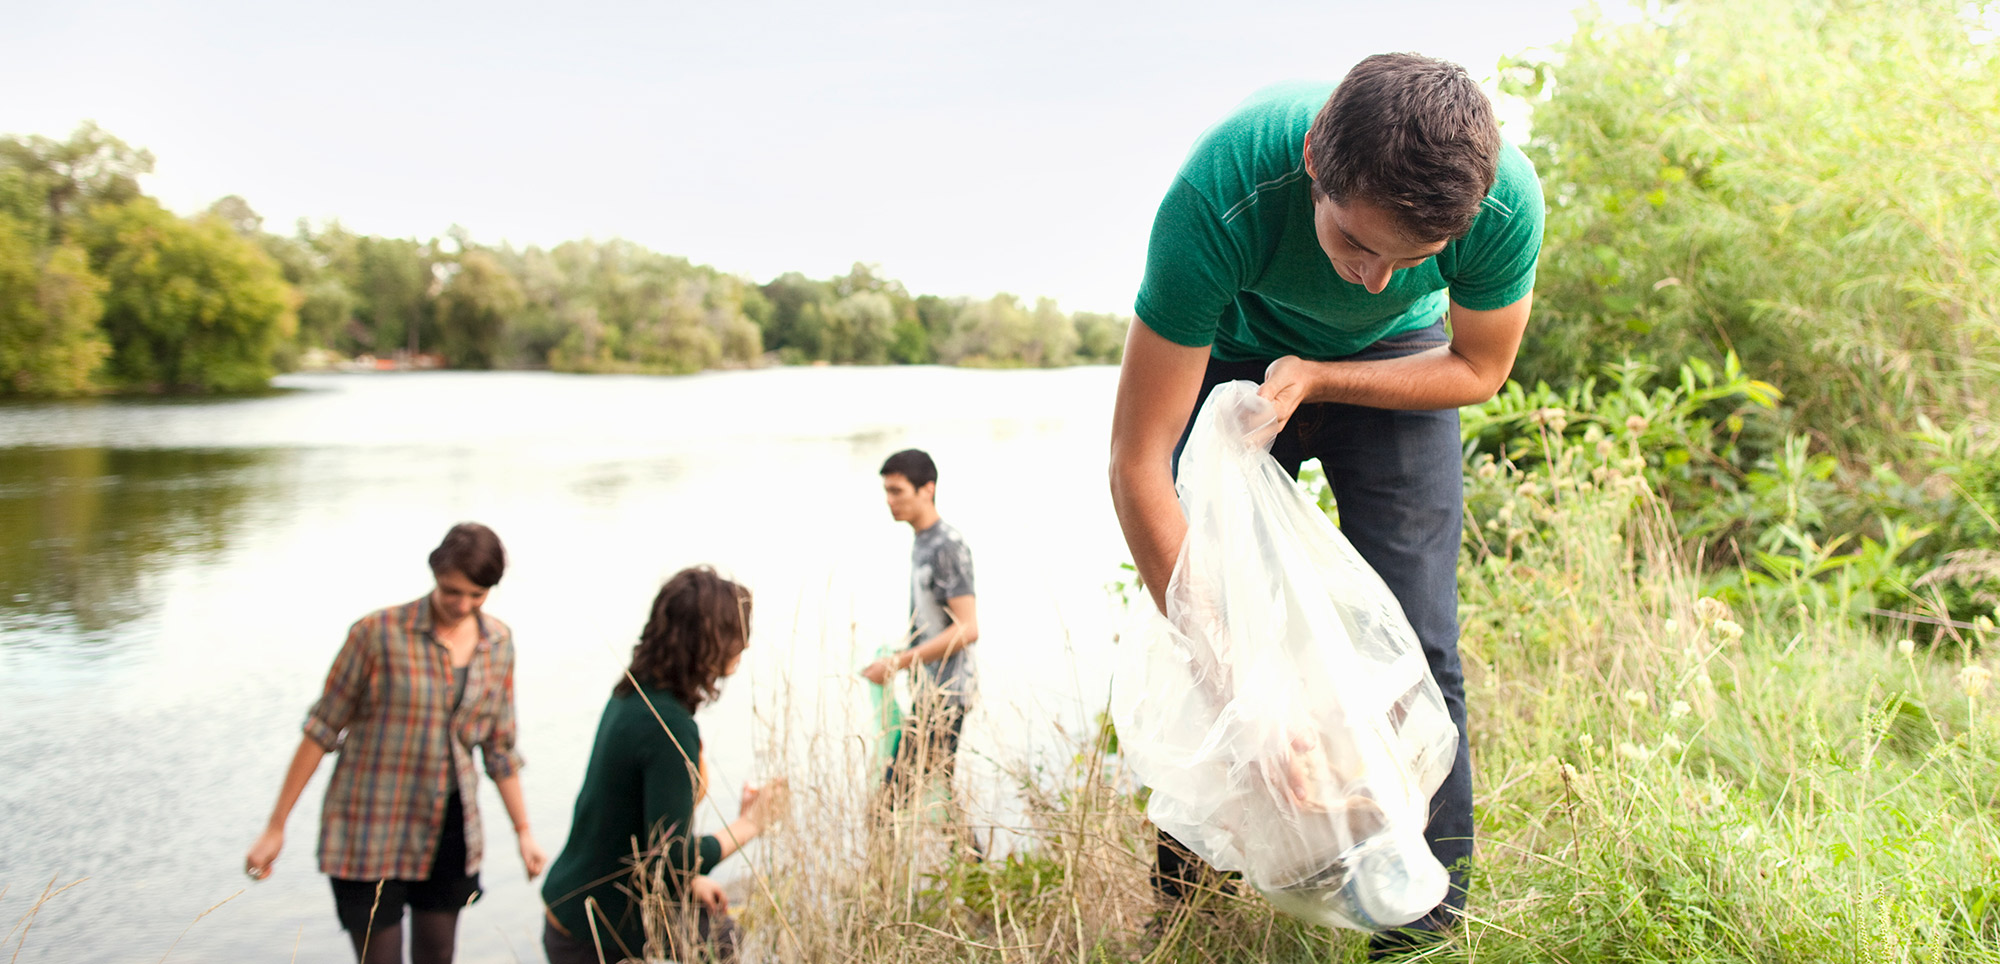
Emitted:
<point x="1808" y="184"/>
<point x="860" y="328"/>
<point x="65" y="178"/>
<point x="474" y="309"/>
<point x="997" y="331"/>
<point x="189" y="304"/>
<point x="49" y="308"/>
<point x="1100" y="337"/>
<point x="797" y="327"/>
<point x="395" y="285"/>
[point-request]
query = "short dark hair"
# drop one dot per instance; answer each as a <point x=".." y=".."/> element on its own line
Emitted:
<point x="912" y="464"/>
<point x="1412" y="135"/>
<point x="700" y="621"/>
<point x="472" y="551"/>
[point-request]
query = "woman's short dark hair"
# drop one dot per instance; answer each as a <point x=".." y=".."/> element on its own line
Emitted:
<point x="1412" y="135"/>
<point x="700" y="622"/>
<point x="472" y="551"/>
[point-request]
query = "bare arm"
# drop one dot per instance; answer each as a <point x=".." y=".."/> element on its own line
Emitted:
<point x="1466" y="372"/>
<point x="532" y="855"/>
<point x="265" y="851"/>
<point x="963" y="632"/>
<point x="1157" y="388"/>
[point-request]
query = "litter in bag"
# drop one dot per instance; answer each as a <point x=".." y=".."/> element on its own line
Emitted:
<point x="1281" y="710"/>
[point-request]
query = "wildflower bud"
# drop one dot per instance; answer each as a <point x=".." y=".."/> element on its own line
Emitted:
<point x="1671" y="744"/>
<point x="1567" y="772"/>
<point x="1709" y="609"/>
<point x="1593" y="433"/>
<point x="1973" y="679"/>
<point x="1528" y="490"/>
<point x="1585" y="741"/>
<point x="1672" y="625"/>
<point x="1634" y="752"/>
<point x="1487" y="470"/>
<point x="1637" y="698"/>
<point x="1983" y="623"/>
<point x="1728" y="630"/>
<point x="1636" y="424"/>
<point x="1906" y="646"/>
<point x="1678" y="709"/>
<point x="1605" y="448"/>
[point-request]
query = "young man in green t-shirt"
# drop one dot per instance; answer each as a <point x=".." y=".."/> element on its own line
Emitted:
<point x="1368" y="255"/>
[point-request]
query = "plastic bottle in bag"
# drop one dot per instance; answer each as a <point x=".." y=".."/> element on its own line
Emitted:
<point x="1281" y="709"/>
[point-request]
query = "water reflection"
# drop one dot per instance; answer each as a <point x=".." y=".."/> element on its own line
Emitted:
<point x="81" y="529"/>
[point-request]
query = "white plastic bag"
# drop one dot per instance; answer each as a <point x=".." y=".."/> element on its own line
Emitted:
<point x="1281" y="711"/>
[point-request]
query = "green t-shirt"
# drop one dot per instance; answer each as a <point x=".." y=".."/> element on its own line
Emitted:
<point x="1234" y="261"/>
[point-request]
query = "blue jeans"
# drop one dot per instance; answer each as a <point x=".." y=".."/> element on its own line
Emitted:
<point x="1399" y="482"/>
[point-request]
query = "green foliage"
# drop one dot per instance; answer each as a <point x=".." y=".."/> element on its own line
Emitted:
<point x="1807" y="185"/>
<point x="474" y="308"/>
<point x="50" y="303"/>
<point x="189" y="304"/>
<point x="54" y="183"/>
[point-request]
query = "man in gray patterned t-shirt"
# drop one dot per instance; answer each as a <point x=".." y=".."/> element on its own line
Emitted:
<point x="944" y="622"/>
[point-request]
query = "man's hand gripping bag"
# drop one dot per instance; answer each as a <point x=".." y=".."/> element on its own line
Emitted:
<point x="1281" y="709"/>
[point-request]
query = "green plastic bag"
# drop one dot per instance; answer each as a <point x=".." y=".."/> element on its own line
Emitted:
<point x="888" y="718"/>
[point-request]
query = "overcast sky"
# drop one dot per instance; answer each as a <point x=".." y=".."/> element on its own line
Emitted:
<point x="965" y="148"/>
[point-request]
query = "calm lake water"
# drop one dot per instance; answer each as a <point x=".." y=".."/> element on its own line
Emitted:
<point x="175" y="577"/>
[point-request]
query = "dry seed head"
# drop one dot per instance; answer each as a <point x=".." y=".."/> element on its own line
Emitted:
<point x="1605" y="448"/>
<point x="1678" y="709"/>
<point x="1974" y="679"/>
<point x="1728" y="630"/>
<point x="1709" y="609"/>
<point x="1636" y="424"/>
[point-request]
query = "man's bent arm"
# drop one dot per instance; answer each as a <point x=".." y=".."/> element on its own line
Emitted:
<point x="1158" y="385"/>
<point x="963" y="632"/>
<point x="1466" y="372"/>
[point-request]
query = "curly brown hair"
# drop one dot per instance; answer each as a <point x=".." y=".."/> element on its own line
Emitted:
<point x="700" y="622"/>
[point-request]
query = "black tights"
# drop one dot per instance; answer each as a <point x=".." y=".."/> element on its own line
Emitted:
<point x="433" y="939"/>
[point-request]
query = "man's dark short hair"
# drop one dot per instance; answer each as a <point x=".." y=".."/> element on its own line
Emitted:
<point x="1413" y="136"/>
<point x="912" y="464"/>
<point x="472" y="551"/>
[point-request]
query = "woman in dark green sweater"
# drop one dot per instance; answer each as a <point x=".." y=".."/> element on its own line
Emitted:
<point x="633" y="863"/>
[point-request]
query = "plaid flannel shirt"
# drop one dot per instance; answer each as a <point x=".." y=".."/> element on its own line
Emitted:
<point x="387" y="711"/>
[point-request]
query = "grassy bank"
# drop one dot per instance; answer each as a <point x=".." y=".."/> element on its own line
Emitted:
<point x="1661" y="776"/>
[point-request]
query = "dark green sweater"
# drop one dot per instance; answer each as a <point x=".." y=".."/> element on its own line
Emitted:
<point x="637" y="794"/>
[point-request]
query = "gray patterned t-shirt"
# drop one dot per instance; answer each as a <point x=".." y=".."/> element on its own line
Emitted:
<point x="940" y="571"/>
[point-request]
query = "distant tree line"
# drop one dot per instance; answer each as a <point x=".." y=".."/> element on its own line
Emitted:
<point x="103" y="289"/>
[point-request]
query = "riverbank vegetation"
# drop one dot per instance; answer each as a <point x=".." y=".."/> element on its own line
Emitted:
<point x="102" y="289"/>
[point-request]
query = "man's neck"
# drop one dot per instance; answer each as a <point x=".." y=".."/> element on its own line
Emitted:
<point x="924" y="520"/>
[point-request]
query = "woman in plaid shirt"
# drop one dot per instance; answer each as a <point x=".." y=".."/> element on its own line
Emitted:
<point x="414" y="689"/>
